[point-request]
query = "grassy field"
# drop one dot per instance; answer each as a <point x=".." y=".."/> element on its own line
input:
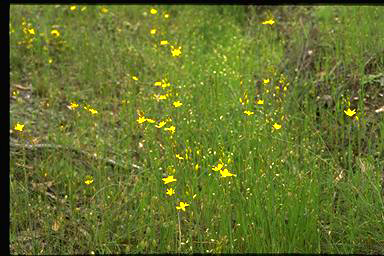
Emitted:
<point x="142" y="129"/>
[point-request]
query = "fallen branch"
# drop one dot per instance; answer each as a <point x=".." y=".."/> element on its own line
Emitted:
<point x="111" y="162"/>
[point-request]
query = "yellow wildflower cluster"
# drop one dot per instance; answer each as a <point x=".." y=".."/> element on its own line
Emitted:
<point x="93" y="111"/>
<point x="223" y="172"/>
<point x="73" y="105"/>
<point x="163" y="83"/>
<point x="29" y="34"/>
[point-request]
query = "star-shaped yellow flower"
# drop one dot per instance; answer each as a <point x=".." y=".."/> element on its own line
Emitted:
<point x="268" y="22"/>
<point x="265" y="81"/>
<point x="164" y="42"/>
<point x="171" y="129"/>
<point x="73" y="105"/>
<point x="177" y="104"/>
<point x="165" y="85"/>
<point x="141" y="119"/>
<point x="19" y="127"/>
<point x="260" y="102"/>
<point x="218" y="167"/>
<point x="169" y="179"/>
<point x="226" y="173"/>
<point x="161" y="124"/>
<point x="247" y="112"/>
<point x="182" y="206"/>
<point x="276" y="126"/>
<point x="349" y="112"/>
<point x="93" y="111"/>
<point x="88" y="180"/>
<point x="176" y="52"/>
<point x="149" y="120"/>
<point x="170" y="191"/>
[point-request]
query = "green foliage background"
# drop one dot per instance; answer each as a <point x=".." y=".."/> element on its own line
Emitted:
<point x="313" y="186"/>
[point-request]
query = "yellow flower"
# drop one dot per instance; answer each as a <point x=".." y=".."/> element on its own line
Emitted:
<point x="171" y="129"/>
<point x="176" y="52"/>
<point x="161" y="124"/>
<point x="197" y="167"/>
<point x="141" y="119"/>
<point x="268" y="22"/>
<point x="171" y="169"/>
<point x="159" y="97"/>
<point x="165" y="85"/>
<point x="226" y="173"/>
<point x="182" y="206"/>
<point x="88" y="180"/>
<point x="153" y="31"/>
<point x="93" y="111"/>
<point x="244" y="100"/>
<point x="73" y="105"/>
<point x="19" y="127"/>
<point x="55" y="33"/>
<point x="265" y="81"/>
<point x="103" y="10"/>
<point x="349" y="112"/>
<point x="31" y="31"/>
<point x="158" y="83"/>
<point x="149" y="120"/>
<point x="169" y="179"/>
<point x="170" y="191"/>
<point x="135" y="78"/>
<point x="72" y="7"/>
<point x="218" y="167"/>
<point x="276" y="126"/>
<point x="179" y="157"/>
<point x="166" y="15"/>
<point x="177" y="104"/>
<point x="260" y="102"/>
<point x="153" y="11"/>
<point x="247" y="112"/>
<point x="164" y="42"/>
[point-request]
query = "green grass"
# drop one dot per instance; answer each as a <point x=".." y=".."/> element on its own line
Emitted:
<point x="313" y="186"/>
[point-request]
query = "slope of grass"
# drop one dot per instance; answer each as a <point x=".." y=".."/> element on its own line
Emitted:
<point x="263" y="101"/>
